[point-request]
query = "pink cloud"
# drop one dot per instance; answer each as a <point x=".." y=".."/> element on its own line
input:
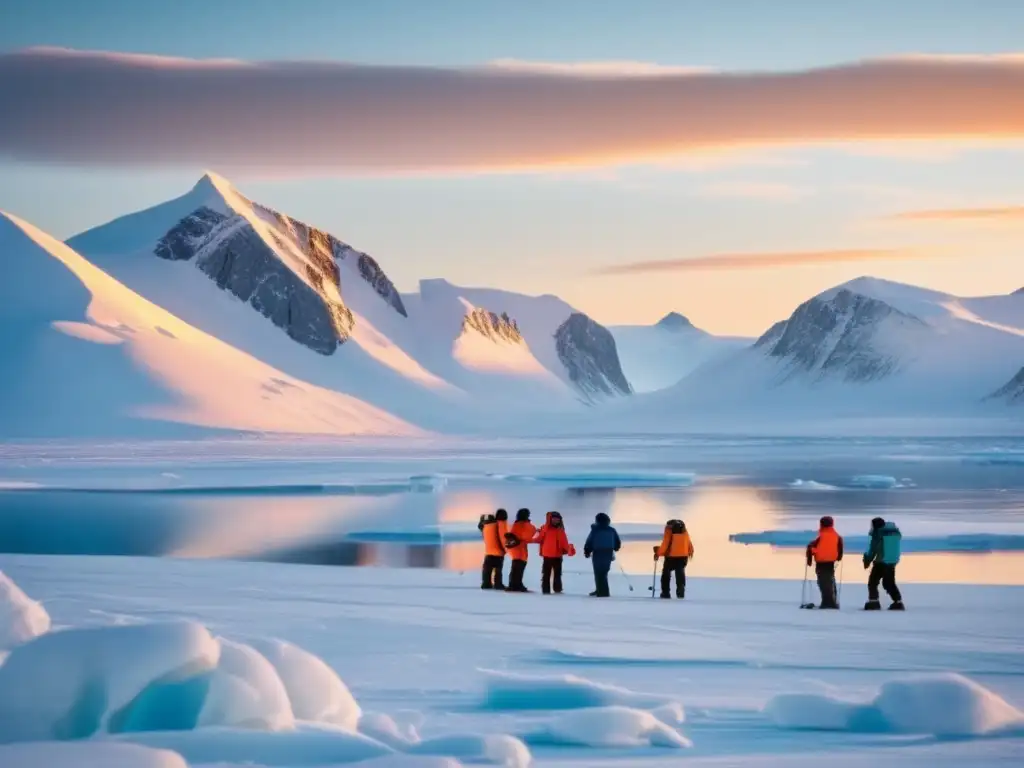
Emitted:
<point x="766" y="260"/>
<point x="67" y="106"/>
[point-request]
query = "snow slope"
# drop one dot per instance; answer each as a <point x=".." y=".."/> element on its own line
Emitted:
<point x="94" y="358"/>
<point x="657" y="356"/>
<point x="737" y="675"/>
<point x="236" y="269"/>
<point x="868" y="348"/>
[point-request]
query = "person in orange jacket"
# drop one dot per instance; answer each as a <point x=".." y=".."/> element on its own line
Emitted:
<point x="494" y="550"/>
<point x="521" y="533"/>
<point x="826" y="551"/>
<point x="554" y="545"/>
<point x="677" y="549"/>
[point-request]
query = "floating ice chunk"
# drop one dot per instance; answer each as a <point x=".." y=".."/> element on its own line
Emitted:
<point x="670" y="714"/>
<point x="879" y="482"/>
<point x="87" y="754"/>
<point x="812" y="485"/>
<point x="245" y="692"/>
<point x="609" y="727"/>
<point x="21" y="618"/>
<point x="495" y="749"/>
<point x="316" y="692"/>
<point x="427" y="483"/>
<point x="308" y="744"/>
<point x="508" y="691"/>
<point x="955" y="542"/>
<point x="610" y="479"/>
<point x="995" y="456"/>
<point x="947" y="705"/>
<point x="77" y="682"/>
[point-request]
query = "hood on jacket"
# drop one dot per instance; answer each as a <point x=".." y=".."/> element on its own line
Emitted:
<point x="554" y="519"/>
<point x="890" y="526"/>
<point x="601" y="520"/>
<point x="522" y="514"/>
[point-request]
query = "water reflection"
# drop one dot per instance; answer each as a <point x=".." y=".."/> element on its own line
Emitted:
<point x="438" y="530"/>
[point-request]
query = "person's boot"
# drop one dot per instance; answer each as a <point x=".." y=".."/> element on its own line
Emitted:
<point x="681" y="595"/>
<point x="872" y="605"/>
<point x="897" y="606"/>
<point x="665" y="596"/>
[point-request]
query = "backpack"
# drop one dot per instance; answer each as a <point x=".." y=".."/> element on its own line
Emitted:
<point x="511" y="540"/>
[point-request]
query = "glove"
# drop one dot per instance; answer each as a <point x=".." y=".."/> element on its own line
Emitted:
<point x="808" y="562"/>
<point x="586" y="555"/>
<point x="867" y="563"/>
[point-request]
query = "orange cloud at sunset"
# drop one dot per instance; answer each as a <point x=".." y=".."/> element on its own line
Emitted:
<point x="727" y="261"/>
<point x="83" y="107"/>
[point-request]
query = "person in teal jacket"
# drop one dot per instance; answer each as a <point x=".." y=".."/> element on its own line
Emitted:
<point x="882" y="557"/>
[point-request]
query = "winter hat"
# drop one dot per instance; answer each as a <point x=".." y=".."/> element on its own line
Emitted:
<point x="523" y="514"/>
<point x="555" y="518"/>
<point x="501" y="514"/>
<point x="826" y="521"/>
<point x="878" y="522"/>
<point x="602" y="519"/>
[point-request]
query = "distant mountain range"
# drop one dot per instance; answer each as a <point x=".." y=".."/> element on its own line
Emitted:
<point x="212" y="311"/>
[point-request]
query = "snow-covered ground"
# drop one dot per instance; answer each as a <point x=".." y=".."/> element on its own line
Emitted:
<point x="420" y="665"/>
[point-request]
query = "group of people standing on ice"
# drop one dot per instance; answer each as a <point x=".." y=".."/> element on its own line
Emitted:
<point x="501" y="539"/>
<point x="882" y="557"/>
<point x="676" y="547"/>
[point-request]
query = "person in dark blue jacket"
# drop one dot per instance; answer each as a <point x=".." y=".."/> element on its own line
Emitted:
<point x="602" y="544"/>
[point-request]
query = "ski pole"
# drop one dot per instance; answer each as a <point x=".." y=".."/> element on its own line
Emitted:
<point x="654" y="578"/>
<point x="628" y="583"/>
<point x="803" y="588"/>
<point x="839" y="592"/>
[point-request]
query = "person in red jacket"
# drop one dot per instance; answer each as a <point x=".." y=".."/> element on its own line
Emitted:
<point x="826" y="551"/>
<point x="554" y="545"/>
<point x="521" y="533"/>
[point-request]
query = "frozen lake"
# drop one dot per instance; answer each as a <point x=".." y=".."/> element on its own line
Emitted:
<point x="960" y="503"/>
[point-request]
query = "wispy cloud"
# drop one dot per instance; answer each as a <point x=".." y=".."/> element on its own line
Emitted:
<point x="80" y="107"/>
<point x="999" y="214"/>
<point x="596" y="68"/>
<point x="766" y="260"/>
<point x="753" y="190"/>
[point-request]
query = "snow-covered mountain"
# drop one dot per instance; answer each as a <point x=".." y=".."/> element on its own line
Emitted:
<point x="1013" y="390"/>
<point x="86" y="356"/>
<point x="865" y="348"/>
<point x="300" y="299"/>
<point x="657" y="356"/>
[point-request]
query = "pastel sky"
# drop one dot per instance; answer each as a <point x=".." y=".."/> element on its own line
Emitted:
<point x="725" y="160"/>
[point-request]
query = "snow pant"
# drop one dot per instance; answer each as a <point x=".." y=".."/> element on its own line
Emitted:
<point x="677" y="566"/>
<point x="601" y="567"/>
<point x="551" y="575"/>
<point x="826" y="573"/>
<point x="492" y="576"/>
<point x="515" y="576"/>
<point x="886" y="574"/>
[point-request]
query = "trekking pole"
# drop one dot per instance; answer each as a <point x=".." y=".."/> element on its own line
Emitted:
<point x="654" y="578"/>
<point x="839" y="592"/>
<point x="628" y="584"/>
<point x="803" y="589"/>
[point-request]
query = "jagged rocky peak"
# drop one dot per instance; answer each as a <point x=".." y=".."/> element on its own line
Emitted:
<point x="1012" y="391"/>
<point x="587" y="350"/>
<point x="496" y="327"/>
<point x="233" y="254"/>
<point x="327" y="250"/>
<point x="674" y="321"/>
<point x="838" y="335"/>
<point x="221" y="238"/>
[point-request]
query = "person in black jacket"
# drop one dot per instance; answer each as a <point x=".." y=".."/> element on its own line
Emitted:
<point x="602" y="544"/>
